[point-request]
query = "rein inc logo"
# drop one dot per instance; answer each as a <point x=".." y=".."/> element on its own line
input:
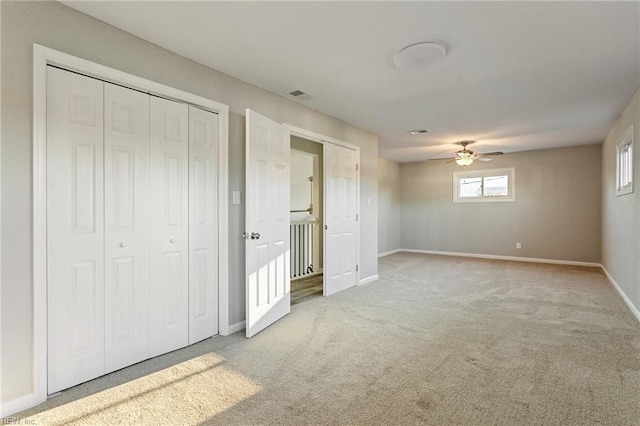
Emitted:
<point x="17" y="421"/>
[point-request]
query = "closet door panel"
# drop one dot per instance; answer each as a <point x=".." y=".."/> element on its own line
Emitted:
<point x="126" y="226"/>
<point x="203" y="222"/>
<point x="75" y="229"/>
<point x="169" y="247"/>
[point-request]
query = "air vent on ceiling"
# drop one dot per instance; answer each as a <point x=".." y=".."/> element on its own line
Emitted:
<point x="417" y="132"/>
<point x="300" y="95"/>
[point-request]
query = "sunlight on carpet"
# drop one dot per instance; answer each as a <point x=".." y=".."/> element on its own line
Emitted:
<point x="187" y="393"/>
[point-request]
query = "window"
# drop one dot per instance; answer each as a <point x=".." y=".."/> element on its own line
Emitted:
<point x="624" y="168"/>
<point x="484" y="186"/>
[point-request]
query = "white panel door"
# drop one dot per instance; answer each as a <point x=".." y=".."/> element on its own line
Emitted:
<point x="203" y="224"/>
<point x="169" y="291"/>
<point x="267" y="222"/>
<point x="126" y="188"/>
<point x="75" y="229"/>
<point x="341" y="208"/>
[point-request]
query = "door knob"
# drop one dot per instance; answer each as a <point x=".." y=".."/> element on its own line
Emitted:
<point x="172" y="241"/>
<point x="255" y="236"/>
<point x="123" y="244"/>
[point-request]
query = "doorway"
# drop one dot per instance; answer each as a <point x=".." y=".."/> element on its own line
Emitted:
<point x="307" y="208"/>
<point x="268" y="216"/>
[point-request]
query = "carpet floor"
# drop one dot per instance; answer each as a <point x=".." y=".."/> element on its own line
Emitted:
<point x="436" y="340"/>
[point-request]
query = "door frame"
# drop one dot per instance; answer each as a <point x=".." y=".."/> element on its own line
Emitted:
<point x="319" y="138"/>
<point x="42" y="57"/>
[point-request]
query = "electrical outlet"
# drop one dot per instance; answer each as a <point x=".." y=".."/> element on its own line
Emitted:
<point x="518" y="245"/>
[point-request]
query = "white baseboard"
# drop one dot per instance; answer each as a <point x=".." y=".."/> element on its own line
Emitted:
<point x="512" y="258"/>
<point x="388" y="253"/>
<point x="630" y="304"/>
<point x="19" y="404"/>
<point x="234" y="328"/>
<point x="368" y="280"/>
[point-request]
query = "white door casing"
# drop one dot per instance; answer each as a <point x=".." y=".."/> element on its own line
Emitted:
<point x="203" y="223"/>
<point x="267" y="222"/>
<point x="75" y="229"/>
<point x="341" y="209"/>
<point x="126" y="186"/>
<point x="47" y="334"/>
<point x="169" y="247"/>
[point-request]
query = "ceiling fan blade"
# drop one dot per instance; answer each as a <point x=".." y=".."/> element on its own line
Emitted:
<point x="492" y="153"/>
<point x="484" y="159"/>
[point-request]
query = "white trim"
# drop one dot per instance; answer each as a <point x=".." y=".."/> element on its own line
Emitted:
<point x="511" y="258"/>
<point x="43" y="56"/>
<point x="630" y="304"/>
<point x="389" y="253"/>
<point x="483" y="173"/>
<point x="19" y="404"/>
<point x="368" y="280"/>
<point x="627" y="139"/>
<point x="317" y="137"/>
<point x="234" y="328"/>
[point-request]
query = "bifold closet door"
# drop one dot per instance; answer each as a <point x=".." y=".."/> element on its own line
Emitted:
<point x="203" y="224"/>
<point x="169" y="274"/>
<point x="126" y="186"/>
<point x="75" y="229"/>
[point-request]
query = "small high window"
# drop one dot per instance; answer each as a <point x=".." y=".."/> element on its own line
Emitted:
<point x="484" y="185"/>
<point x="624" y="168"/>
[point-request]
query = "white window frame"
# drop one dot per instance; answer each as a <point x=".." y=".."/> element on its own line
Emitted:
<point x="508" y="171"/>
<point x="624" y="162"/>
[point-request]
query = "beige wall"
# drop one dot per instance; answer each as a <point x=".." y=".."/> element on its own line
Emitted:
<point x="316" y="148"/>
<point x="621" y="215"/>
<point x="54" y="25"/>
<point x="556" y="214"/>
<point x="389" y="208"/>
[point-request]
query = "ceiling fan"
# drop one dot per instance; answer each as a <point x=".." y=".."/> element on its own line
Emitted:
<point x="465" y="156"/>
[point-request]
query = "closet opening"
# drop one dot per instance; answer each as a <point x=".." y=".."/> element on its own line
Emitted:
<point x="306" y="220"/>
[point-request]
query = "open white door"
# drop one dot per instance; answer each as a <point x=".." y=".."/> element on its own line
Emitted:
<point x="267" y="222"/>
<point x="341" y="226"/>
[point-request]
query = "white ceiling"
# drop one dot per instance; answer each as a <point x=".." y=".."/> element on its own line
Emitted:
<point x="518" y="75"/>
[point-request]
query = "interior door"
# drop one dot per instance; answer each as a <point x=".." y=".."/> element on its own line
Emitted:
<point x="75" y="229"/>
<point x="126" y="191"/>
<point x="341" y="209"/>
<point x="169" y="275"/>
<point x="267" y="222"/>
<point x="203" y="224"/>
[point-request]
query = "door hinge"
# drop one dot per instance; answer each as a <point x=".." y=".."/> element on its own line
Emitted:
<point x="357" y="267"/>
<point x="357" y="167"/>
<point x="356" y="218"/>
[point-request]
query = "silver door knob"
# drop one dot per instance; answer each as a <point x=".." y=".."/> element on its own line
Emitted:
<point x="123" y="244"/>
<point x="172" y="241"/>
<point x="255" y="236"/>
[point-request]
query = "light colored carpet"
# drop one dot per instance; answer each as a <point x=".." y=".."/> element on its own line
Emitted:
<point x="437" y="340"/>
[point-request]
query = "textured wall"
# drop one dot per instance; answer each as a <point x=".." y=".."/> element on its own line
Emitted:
<point x="556" y="214"/>
<point x="54" y="25"/>
<point x="389" y="208"/>
<point x="621" y="215"/>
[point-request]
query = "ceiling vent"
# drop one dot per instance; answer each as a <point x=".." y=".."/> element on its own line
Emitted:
<point x="417" y="132"/>
<point x="300" y="95"/>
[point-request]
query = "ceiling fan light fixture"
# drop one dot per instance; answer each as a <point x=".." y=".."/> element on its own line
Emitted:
<point x="464" y="161"/>
<point x="419" y="55"/>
